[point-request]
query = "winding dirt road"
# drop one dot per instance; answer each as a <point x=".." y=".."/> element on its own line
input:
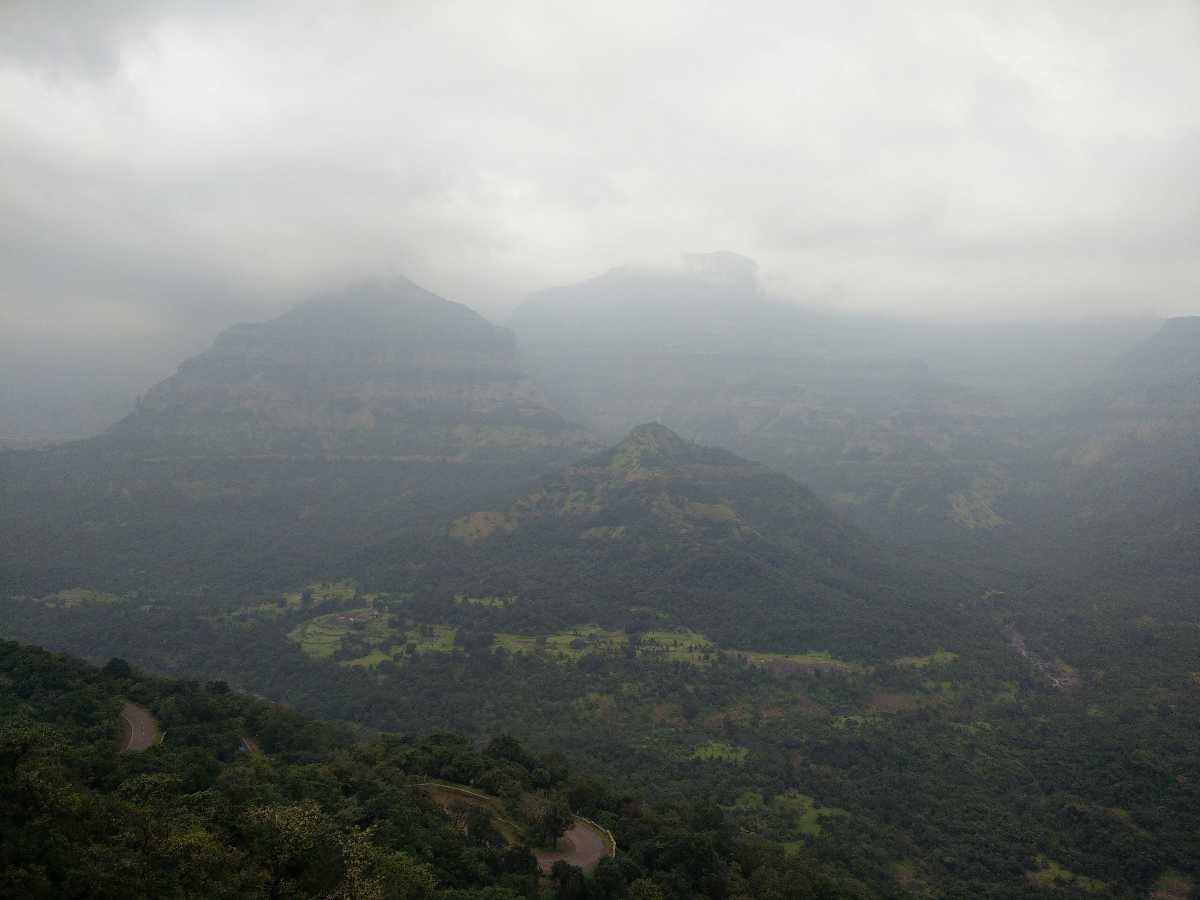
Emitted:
<point x="139" y="729"/>
<point x="583" y="845"/>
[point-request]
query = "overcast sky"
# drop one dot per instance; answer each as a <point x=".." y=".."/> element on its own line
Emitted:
<point x="180" y="165"/>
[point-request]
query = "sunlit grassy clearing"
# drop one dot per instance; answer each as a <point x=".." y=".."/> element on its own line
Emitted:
<point x="937" y="658"/>
<point x="805" y="811"/>
<point x="801" y="813"/>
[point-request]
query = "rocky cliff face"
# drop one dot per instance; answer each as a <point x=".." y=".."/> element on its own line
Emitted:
<point x="385" y="370"/>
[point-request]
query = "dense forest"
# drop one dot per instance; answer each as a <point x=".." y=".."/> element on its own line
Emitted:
<point x="975" y="771"/>
<point x="244" y="798"/>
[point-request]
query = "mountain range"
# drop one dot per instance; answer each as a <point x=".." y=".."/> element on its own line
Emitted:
<point x="896" y="623"/>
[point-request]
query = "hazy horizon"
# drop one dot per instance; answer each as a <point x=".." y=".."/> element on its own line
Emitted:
<point x="173" y="168"/>
<point x="170" y="164"/>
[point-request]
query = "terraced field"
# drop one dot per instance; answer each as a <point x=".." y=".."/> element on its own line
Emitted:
<point x="799" y="662"/>
<point x="571" y="643"/>
<point x="321" y="637"/>
<point x="73" y="598"/>
<point x="382" y="639"/>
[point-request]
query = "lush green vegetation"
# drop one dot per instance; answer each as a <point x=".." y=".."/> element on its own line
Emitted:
<point x="317" y="811"/>
<point x="958" y="775"/>
<point x="1019" y="717"/>
<point x="721" y="751"/>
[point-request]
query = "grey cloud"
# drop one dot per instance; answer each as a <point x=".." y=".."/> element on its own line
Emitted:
<point x="166" y="167"/>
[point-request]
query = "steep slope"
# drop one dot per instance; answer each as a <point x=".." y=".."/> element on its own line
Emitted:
<point x="286" y="446"/>
<point x="385" y="370"/>
<point x="659" y="529"/>
<point x="1122" y="462"/>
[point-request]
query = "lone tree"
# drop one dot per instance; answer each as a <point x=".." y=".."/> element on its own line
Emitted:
<point x="117" y="668"/>
<point x="551" y="823"/>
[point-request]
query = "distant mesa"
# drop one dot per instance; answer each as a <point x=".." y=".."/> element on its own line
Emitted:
<point x="661" y="302"/>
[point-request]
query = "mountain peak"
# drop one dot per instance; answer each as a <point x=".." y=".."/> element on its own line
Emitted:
<point x="1169" y="357"/>
<point x="726" y="267"/>
<point x="381" y="369"/>
<point x="653" y="446"/>
<point x="1181" y="331"/>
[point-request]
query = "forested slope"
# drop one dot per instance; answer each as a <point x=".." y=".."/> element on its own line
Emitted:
<point x="245" y="799"/>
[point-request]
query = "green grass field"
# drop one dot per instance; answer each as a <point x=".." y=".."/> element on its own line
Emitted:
<point x="570" y="643"/>
<point x="321" y="637"/>
<point x="791" y="816"/>
<point x="937" y="658"/>
<point x="374" y="658"/>
<point x="517" y="643"/>
<point x="818" y="660"/>
<point x="318" y="639"/>
<point x="683" y="645"/>
<point x="494" y="602"/>
<point x="72" y="598"/>
<point x="1049" y="873"/>
<point x="805" y="812"/>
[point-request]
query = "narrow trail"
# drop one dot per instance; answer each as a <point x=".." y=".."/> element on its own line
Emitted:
<point x="139" y="729"/>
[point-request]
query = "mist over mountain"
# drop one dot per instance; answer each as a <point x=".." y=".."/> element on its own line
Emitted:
<point x="383" y="370"/>
<point x="1121" y="460"/>
<point x="698" y="536"/>
<point x="286" y="445"/>
<point x="820" y="581"/>
<point x="839" y="403"/>
<point x="798" y="496"/>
